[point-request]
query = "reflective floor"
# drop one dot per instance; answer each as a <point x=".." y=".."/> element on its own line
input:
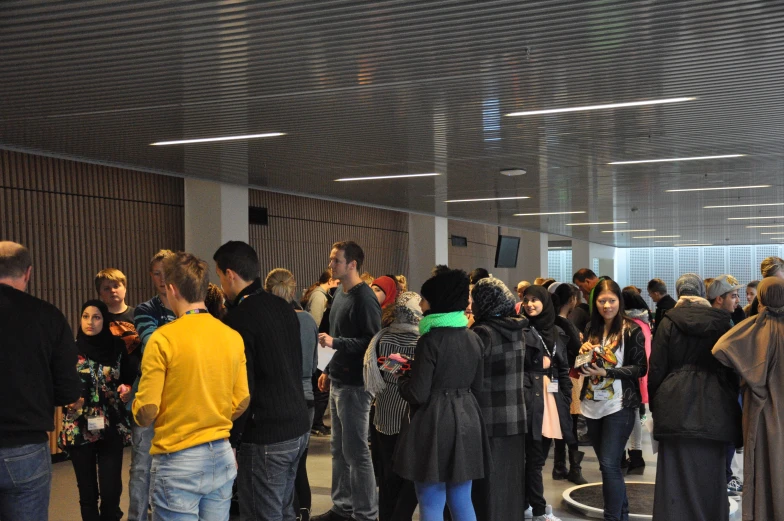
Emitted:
<point x="64" y="504"/>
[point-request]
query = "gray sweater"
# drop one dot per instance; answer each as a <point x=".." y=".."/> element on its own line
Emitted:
<point x="354" y="318"/>
<point x="308" y="333"/>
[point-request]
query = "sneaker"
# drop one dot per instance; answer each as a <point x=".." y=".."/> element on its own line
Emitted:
<point x="735" y="487"/>
<point x="529" y="513"/>
<point x="322" y="430"/>
<point x="329" y="515"/>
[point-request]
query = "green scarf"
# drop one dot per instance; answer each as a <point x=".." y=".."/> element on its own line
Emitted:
<point x="453" y="319"/>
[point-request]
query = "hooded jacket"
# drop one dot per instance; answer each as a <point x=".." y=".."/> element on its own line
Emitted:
<point x="691" y="394"/>
<point x="502" y="397"/>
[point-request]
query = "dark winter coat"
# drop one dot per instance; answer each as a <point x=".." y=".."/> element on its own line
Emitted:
<point x="691" y="394"/>
<point x="446" y="440"/>
<point x="502" y="398"/>
<point x="534" y="388"/>
<point x="665" y="304"/>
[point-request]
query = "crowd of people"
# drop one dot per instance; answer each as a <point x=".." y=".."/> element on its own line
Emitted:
<point x="449" y="399"/>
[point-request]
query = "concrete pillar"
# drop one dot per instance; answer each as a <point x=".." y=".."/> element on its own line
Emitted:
<point x="428" y="245"/>
<point x="214" y="213"/>
<point x="611" y="261"/>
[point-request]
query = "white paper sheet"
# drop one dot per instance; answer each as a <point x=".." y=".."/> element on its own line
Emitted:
<point x="324" y="356"/>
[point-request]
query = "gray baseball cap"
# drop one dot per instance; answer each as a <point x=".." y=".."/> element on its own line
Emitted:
<point x="723" y="284"/>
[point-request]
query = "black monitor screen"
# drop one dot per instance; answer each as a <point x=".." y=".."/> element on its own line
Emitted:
<point x="506" y="251"/>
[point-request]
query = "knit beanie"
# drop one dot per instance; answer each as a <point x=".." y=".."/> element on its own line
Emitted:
<point x="491" y="298"/>
<point x="407" y="310"/>
<point x="690" y="284"/>
<point x="447" y="291"/>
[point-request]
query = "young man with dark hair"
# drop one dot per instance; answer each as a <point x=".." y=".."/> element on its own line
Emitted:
<point x="657" y="290"/>
<point x="39" y="360"/>
<point x="147" y="318"/>
<point x="273" y="432"/>
<point x="194" y="391"/>
<point x="354" y="319"/>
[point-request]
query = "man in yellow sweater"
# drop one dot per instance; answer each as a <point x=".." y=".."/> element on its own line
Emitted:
<point x="194" y="384"/>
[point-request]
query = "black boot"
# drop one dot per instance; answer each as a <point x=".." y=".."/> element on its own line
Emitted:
<point x="559" y="455"/>
<point x="575" y="470"/>
<point x="636" y="463"/>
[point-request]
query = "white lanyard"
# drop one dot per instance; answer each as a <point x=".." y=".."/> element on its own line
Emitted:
<point x="555" y="345"/>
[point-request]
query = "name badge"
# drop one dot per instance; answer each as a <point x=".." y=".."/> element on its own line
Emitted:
<point x="552" y="387"/>
<point x="96" y="423"/>
<point x="601" y="395"/>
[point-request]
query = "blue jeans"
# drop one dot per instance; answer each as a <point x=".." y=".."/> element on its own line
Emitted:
<point x="608" y="437"/>
<point x="193" y="484"/>
<point x="25" y="482"/>
<point x="266" y="479"/>
<point x="139" y="482"/>
<point x="433" y="496"/>
<point x="353" y="481"/>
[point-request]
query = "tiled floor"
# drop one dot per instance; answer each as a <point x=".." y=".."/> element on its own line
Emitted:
<point x="65" y="500"/>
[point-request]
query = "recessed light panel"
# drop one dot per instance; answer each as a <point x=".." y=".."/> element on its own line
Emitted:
<point x="629" y="231"/>
<point x="758" y="217"/>
<point x="595" y="224"/>
<point x="217" y="139"/>
<point x="486" y="199"/>
<point x="718" y="188"/>
<point x="375" y="178"/>
<point x="674" y="159"/>
<point x="543" y="213"/>
<point x="601" y="107"/>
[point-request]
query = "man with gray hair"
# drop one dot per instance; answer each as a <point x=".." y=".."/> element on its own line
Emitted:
<point x="39" y="361"/>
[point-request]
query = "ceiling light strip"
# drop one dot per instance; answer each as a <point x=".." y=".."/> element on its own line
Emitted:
<point x="374" y="178"/>
<point x="766" y="226"/>
<point x="216" y="139"/>
<point x="486" y="199"/>
<point x="690" y="245"/>
<point x="672" y="159"/>
<point x="601" y="107"/>
<point x="596" y="224"/>
<point x="757" y="217"/>
<point x="718" y="188"/>
<point x="543" y="213"/>
<point x="656" y="236"/>
<point x="771" y="233"/>
<point x="629" y="231"/>
<point x="744" y="205"/>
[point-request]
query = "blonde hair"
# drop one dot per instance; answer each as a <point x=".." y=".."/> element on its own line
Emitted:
<point x="158" y="257"/>
<point x="367" y="278"/>
<point x="522" y="284"/>
<point x="189" y="274"/>
<point x="771" y="266"/>
<point x="281" y="283"/>
<point x="402" y="282"/>
<point x="112" y="274"/>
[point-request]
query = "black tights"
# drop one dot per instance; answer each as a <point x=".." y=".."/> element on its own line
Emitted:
<point x="98" y="467"/>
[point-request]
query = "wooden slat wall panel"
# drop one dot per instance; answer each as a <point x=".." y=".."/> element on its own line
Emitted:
<point x="78" y="218"/>
<point x="301" y="231"/>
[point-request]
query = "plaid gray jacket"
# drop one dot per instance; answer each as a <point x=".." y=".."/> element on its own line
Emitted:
<point x="502" y="398"/>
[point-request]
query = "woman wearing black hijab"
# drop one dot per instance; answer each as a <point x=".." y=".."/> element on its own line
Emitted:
<point x="548" y="393"/>
<point x="96" y="427"/>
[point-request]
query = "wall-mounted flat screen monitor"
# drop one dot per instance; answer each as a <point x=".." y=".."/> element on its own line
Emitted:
<point x="458" y="241"/>
<point x="506" y="251"/>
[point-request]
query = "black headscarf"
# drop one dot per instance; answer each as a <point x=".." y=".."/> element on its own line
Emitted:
<point x="104" y="347"/>
<point x="544" y="322"/>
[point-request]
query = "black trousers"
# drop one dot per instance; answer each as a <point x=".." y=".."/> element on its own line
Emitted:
<point x="499" y="497"/>
<point x="98" y="469"/>
<point x="320" y="401"/>
<point x="535" y="456"/>
<point x="396" y="496"/>
<point x="303" y="498"/>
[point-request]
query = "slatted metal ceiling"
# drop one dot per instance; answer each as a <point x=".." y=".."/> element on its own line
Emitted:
<point x="380" y="88"/>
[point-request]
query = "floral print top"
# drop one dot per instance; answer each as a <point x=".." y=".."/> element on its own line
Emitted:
<point x="99" y="390"/>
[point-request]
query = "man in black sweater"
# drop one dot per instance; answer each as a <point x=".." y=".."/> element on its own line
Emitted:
<point x="354" y="319"/>
<point x="657" y="290"/>
<point x="273" y="431"/>
<point x="38" y="358"/>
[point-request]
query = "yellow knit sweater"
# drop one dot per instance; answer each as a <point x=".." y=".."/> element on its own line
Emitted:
<point x="194" y="383"/>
